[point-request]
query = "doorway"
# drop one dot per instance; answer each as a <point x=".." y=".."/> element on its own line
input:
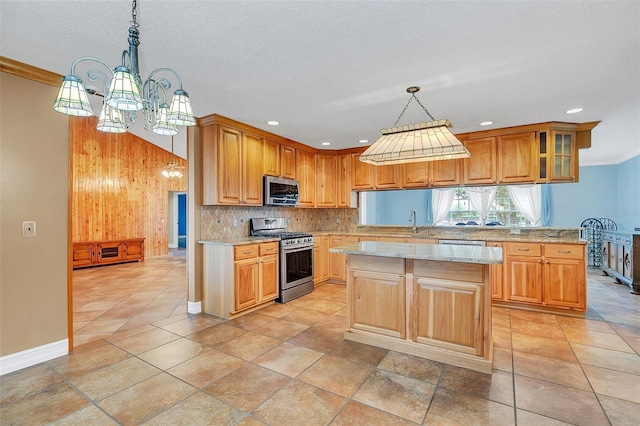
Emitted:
<point x="177" y="227"/>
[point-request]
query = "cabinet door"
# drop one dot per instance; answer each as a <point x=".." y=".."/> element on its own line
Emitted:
<point x="84" y="254"/>
<point x="324" y="258"/>
<point x="271" y="160"/>
<point x="337" y="261"/>
<point x="416" y="175"/>
<point x="388" y="177"/>
<point x="362" y="174"/>
<point x="305" y="174"/>
<point x="446" y="173"/>
<point x="268" y="278"/>
<point x="564" y="283"/>
<point x="497" y="270"/>
<point x="134" y="250"/>
<point x="563" y="161"/>
<point x="458" y="320"/>
<point x="517" y="159"/>
<point x="366" y="311"/>
<point x="229" y="166"/>
<point x="523" y="277"/>
<point x="245" y="283"/>
<point x="481" y="167"/>
<point x="326" y="166"/>
<point x="252" y="170"/>
<point x="343" y="181"/>
<point x="288" y="161"/>
<point x="110" y="252"/>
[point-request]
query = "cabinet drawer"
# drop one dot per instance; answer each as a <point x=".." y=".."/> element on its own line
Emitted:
<point x="245" y="251"/>
<point x="523" y="249"/>
<point x="564" y="251"/>
<point x="268" y="248"/>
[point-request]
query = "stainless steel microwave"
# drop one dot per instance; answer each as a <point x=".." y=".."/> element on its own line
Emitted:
<point x="280" y="191"/>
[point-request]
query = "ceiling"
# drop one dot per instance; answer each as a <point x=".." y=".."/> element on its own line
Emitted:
<point x="336" y="71"/>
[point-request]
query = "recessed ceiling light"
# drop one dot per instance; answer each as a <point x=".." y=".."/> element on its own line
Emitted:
<point x="363" y="141"/>
<point x="273" y="122"/>
<point x="574" y="110"/>
<point x="486" y="123"/>
<point x="326" y="143"/>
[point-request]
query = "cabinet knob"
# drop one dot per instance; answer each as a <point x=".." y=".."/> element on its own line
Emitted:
<point x="546" y="261"/>
<point x="539" y="260"/>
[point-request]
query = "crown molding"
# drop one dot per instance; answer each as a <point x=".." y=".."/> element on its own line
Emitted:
<point x="30" y="72"/>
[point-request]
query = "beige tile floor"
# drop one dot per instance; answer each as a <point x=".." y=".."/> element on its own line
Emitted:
<point x="147" y="361"/>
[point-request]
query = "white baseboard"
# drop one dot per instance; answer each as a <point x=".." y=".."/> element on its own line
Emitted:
<point x="33" y="356"/>
<point x="173" y="245"/>
<point x="194" y="307"/>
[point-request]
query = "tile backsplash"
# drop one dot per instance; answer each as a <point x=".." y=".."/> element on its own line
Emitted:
<point x="233" y="221"/>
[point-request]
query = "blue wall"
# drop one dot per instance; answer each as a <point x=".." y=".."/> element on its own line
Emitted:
<point x="603" y="191"/>
<point x="182" y="214"/>
<point x="393" y="207"/>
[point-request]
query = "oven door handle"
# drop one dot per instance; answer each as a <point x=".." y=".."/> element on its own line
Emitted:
<point x="297" y="249"/>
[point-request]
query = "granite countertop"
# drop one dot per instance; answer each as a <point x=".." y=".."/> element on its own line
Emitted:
<point x="446" y="253"/>
<point x="238" y="241"/>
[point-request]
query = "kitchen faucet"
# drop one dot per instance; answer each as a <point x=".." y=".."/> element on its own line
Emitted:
<point x="412" y="219"/>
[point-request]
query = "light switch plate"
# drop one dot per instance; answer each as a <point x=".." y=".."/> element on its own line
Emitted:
<point x="29" y="228"/>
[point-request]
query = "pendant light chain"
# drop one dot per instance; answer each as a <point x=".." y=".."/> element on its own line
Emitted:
<point x="413" y="90"/>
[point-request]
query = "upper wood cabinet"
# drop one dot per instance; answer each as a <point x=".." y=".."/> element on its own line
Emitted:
<point x="271" y="159"/>
<point x="326" y="167"/>
<point x="252" y="149"/>
<point x="557" y="156"/>
<point x="288" y="161"/>
<point x="343" y="181"/>
<point x="446" y="173"/>
<point x="517" y="156"/>
<point x="388" y="177"/>
<point x="231" y="166"/>
<point x="306" y="176"/>
<point x="416" y="175"/>
<point x="362" y="173"/>
<point x="481" y="167"/>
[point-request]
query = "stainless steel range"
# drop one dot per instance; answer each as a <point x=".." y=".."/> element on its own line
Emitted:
<point x="296" y="256"/>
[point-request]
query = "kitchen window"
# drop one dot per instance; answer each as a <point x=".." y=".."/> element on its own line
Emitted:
<point x="502" y="211"/>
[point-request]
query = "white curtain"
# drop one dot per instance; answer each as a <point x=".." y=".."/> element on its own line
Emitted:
<point x="441" y="200"/>
<point x="481" y="199"/>
<point x="528" y="200"/>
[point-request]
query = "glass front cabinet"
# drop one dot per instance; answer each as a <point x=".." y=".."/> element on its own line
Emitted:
<point x="557" y="156"/>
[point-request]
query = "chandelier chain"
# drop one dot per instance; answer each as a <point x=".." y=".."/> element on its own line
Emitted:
<point x="413" y="96"/>
<point x="134" y="14"/>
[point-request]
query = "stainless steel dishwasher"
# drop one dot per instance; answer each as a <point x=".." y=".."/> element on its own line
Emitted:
<point x="480" y="243"/>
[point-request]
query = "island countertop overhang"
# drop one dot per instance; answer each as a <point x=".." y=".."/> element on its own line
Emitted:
<point x="443" y="253"/>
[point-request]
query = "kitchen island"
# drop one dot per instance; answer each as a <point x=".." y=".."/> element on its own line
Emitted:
<point x="426" y="300"/>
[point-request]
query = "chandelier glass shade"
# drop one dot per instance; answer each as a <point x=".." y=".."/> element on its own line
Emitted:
<point x="427" y="141"/>
<point x="125" y="93"/>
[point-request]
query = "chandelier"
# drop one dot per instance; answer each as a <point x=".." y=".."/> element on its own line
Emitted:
<point x="125" y="94"/>
<point x="428" y="141"/>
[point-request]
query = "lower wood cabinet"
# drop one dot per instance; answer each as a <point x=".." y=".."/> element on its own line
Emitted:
<point x="337" y="261"/>
<point x="320" y="259"/>
<point x="95" y="253"/>
<point x="239" y="279"/>
<point x="544" y="276"/>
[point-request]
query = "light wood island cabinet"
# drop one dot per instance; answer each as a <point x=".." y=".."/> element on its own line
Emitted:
<point x="239" y="279"/>
<point x="425" y="300"/>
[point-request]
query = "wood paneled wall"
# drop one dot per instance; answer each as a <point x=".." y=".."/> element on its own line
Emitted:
<point x="118" y="187"/>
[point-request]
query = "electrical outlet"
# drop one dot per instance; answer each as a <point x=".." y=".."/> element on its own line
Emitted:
<point x="515" y="231"/>
<point x="235" y="222"/>
<point x="29" y="229"/>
